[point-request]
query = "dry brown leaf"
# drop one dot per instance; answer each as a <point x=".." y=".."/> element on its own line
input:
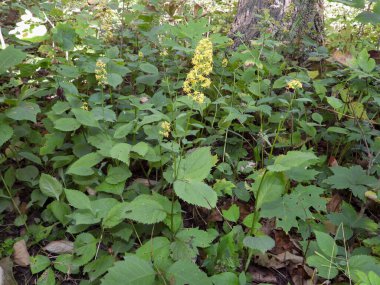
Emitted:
<point x="6" y="272"/>
<point x="145" y="182"/>
<point x="60" y="246"/>
<point x="343" y="58"/>
<point x="287" y="256"/>
<point x="144" y="100"/>
<point x="332" y="161"/>
<point x="334" y="204"/>
<point x="20" y="253"/>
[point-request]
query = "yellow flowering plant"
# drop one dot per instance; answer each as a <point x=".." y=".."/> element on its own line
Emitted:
<point x="197" y="78"/>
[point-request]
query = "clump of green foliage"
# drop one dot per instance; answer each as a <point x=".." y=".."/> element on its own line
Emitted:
<point x="102" y="147"/>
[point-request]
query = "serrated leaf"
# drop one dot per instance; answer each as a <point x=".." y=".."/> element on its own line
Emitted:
<point x="197" y="165"/>
<point x="78" y="199"/>
<point x="148" y="68"/>
<point x="268" y="187"/>
<point x="196" y="193"/>
<point x="131" y="271"/>
<point x="66" y="124"/>
<point x="86" y="118"/>
<point x="121" y="152"/>
<point x="293" y="159"/>
<point x="116" y="215"/>
<point x="260" y="243"/>
<point x="123" y="130"/>
<point x="232" y="214"/>
<point x="353" y="178"/>
<point x="6" y="132"/>
<point x="39" y="263"/>
<point x="83" y="166"/>
<point x="50" y="186"/>
<point x="144" y="209"/>
<point x="185" y="272"/>
<point x="296" y="205"/>
<point x="114" y="79"/>
<point x="10" y="57"/>
<point x="24" y="111"/>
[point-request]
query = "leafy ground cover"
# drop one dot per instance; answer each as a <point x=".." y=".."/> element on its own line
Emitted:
<point x="138" y="147"/>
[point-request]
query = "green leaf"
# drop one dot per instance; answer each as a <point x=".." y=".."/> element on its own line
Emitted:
<point x="85" y="247"/>
<point x="123" y="130"/>
<point x="140" y="148"/>
<point x="268" y="187"/>
<point x="364" y="263"/>
<point x="64" y="35"/>
<point x="296" y="205"/>
<point x="10" y="57"/>
<point x="225" y="278"/>
<point x="232" y="214"/>
<point x="335" y="102"/>
<point x="24" y="111"/>
<point x="114" y="79"/>
<point x="118" y="174"/>
<point x="86" y="118"/>
<point x="326" y="244"/>
<point x="131" y="271"/>
<point x="196" y="193"/>
<point x="6" y="133"/>
<point x="293" y="159"/>
<point x="121" y="152"/>
<point x="325" y="268"/>
<point x="50" y="186"/>
<point x="83" y="166"/>
<point x="39" y="263"/>
<point x="157" y="250"/>
<point x="47" y="278"/>
<point x="353" y="178"/>
<point x="116" y="215"/>
<point x="144" y="209"/>
<point x="197" y="165"/>
<point x="148" y="68"/>
<point x="366" y="63"/>
<point x="185" y="272"/>
<point x="260" y="243"/>
<point x="352" y="3"/>
<point x="98" y="267"/>
<point x="60" y="210"/>
<point x="367" y="17"/>
<point x="66" y="124"/>
<point x="78" y="199"/>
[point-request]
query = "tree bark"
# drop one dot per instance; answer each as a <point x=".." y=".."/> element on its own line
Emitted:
<point x="290" y="21"/>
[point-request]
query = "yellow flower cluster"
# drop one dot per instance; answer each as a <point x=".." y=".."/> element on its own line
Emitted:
<point x="294" y="84"/>
<point x="198" y="76"/>
<point x="101" y="73"/>
<point x="84" y="106"/>
<point x="224" y="62"/>
<point x="165" y="129"/>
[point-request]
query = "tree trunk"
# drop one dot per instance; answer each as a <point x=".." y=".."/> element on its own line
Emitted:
<point x="290" y="21"/>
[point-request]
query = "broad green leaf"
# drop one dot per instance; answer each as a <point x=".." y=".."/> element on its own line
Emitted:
<point x="156" y="250"/>
<point x="28" y="173"/>
<point x="6" y="132"/>
<point x="118" y="174"/>
<point x="196" y="193"/>
<point x="60" y="210"/>
<point x="98" y="267"/>
<point x="66" y="124"/>
<point x="114" y="79"/>
<point x="131" y="271"/>
<point x="326" y="244"/>
<point x="64" y="35"/>
<point x="24" y="111"/>
<point x="86" y="118"/>
<point x="293" y="159"/>
<point x="260" y="243"/>
<point x="366" y="63"/>
<point x="366" y="17"/>
<point x="140" y="148"/>
<point x="185" y="272"/>
<point x="268" y="187"/>
<point x="47" y="278"/>
<point x="197" y="165"/>
<point x="39" y="263"/>
<point x="121" y="152"/>
<point x="232" y="214"/>
<point x="364" y="263"/>
<point x="148" y="68"/>
<point x="325" y="268"/>
<point x="78" y="199"/>
<point x="116" y="215"/>
<point x="123" y="130"/>
<point x="10" y="57"/>
<point x="335" y="102"/>
<point x="50" y="186"/>
<point x="225" y="278"/>
<point x="353" y="178"/>
<point x="296" y="205"/>
<point x="85" y="247"/>
<point x="83" y="166"/>
<point x="144" y="209"/>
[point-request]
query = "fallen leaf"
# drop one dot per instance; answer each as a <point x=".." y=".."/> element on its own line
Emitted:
<point x="6" y="272"/>
<point x="60" y="246"/>
<point x="144" y="100"/>
<point x="20" y="253"/>
<point x="288" y="256"/>
<point x="334" y="204"/>
<point x="145" y="182"/>
<point x="332" y="161"/>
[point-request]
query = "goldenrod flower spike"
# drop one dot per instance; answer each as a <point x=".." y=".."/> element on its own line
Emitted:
<point x="197" y="78"/>
<point x="165" y="129"/>
<point x="294" y="84"/>
<point x="101" y="73"/>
